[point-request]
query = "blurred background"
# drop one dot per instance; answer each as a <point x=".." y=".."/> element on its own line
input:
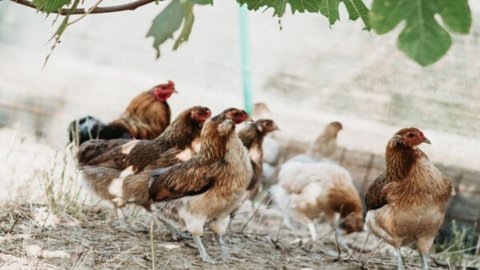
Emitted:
<point x="307" y="72"/>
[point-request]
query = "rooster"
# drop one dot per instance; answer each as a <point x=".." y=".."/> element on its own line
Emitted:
<point x="406" y="204"/>
<point x="311" y="190"/>
<point x="216" y="179"/>
<point x="252" y="138"/>
<point x="107" y="164"/>
<point x="326" y="143"/>
<point x="146" y="117"/>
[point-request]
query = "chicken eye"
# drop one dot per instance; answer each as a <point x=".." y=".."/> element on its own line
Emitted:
<point x="410" y="135"/>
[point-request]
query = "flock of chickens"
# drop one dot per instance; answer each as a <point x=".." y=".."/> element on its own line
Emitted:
<point x="198" y="170"/>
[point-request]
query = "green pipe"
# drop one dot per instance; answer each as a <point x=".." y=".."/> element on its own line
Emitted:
<point x="245" y="55"/>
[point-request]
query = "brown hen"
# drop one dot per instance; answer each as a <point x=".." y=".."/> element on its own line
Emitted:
<point x="406" y="204"/>
<point x="221" y="171"/>
<point x="107" y="164"/>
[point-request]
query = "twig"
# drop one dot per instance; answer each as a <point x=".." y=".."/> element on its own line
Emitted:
<point x="13" y="225"/>
<point x="335" y="227"/>
<point x="277" y="235"/>
<point x="277" y="246"/>
<point x="89" y="11"/>
<point x="371" y="253"/>
<point x="460" y="251"/>
<point x="141" y="264"/>
<point x="114" y="258"/>
<point x="66" y="11"/>
<point x="256" y="210"/>
<point x="449" y="265"/>
<point x="152" y="245"/>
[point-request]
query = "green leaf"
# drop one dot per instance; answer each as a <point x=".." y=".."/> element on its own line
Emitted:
<point x="329" y="8"/>
<point x="203" y="2"/>
<point x="166" y="23"/>
<point x="187" y="25"/>
<point x="456" y="15"/>
<point x="279" y="6"/>
<point x="50" y="5"/>
<point x="423" y="39"/>
<point x="357" y="9"/>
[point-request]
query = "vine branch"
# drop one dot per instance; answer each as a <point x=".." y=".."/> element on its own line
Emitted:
<point x="66" y="11"/>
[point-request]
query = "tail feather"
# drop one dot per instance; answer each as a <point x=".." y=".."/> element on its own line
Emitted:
<point x="92" y="148"/>
<point x="84" y="129"/>
<point x="88" y="128"/>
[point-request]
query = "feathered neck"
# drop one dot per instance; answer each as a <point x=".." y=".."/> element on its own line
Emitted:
<point x="251" y="136"/>
<point x="181" y="132"/>
<point x="214" y="137"/>
<point x="400" y="159"/>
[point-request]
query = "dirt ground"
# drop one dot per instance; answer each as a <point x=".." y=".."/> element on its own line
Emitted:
<point x="48" y="221"/>
<point x="31" y="237"/>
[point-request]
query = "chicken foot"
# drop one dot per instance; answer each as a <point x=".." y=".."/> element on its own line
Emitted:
<point x="203" y="252"/>
<point x="339" y="244"/>
<point x="124" y="224"/>
<point x="223" y="246"/>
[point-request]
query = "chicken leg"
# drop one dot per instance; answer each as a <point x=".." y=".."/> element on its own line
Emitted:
<point x="424" y="261"/>
<point x="176" y="234"/>
<point x="203" y="252"/>
<point x="221" y="244"/>
<point x="400" y="260"/>
<point x="124" y="225"/>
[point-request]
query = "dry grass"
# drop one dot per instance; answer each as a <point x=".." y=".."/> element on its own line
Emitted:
<point x="61" y="227"/>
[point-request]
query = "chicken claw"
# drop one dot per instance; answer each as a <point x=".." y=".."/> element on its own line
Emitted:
<point x="221" y="243"/>
<point x="203" y="251"/>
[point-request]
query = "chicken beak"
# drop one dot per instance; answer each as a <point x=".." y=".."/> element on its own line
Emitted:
<point x="276" y="128"/>
<point x="175" y="91"/>
<point x="250" y="119"/>
<point x="425" y="140"/>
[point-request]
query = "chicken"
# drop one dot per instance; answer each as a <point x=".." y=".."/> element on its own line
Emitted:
<point x="146" y="117"/>
<point x="310" y="190"/>
<point x="252" y="138"/>
<point x="406" y="204"/>
<point x="220" y="172"/>
<point x="270" y="146"/>
<point x="106" y="164"/>
<point x="326" y="143"/>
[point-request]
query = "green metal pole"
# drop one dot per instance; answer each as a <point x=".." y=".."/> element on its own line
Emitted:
<point x="245" y="55"/>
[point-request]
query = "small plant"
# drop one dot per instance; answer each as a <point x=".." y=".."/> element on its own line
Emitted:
<point x="61" y="185"/>
<point x="461" y="242"/>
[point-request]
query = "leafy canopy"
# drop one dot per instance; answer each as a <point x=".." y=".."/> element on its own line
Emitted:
<point x="424" y="38"/>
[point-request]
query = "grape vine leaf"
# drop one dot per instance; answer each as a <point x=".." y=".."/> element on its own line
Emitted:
<point x="329" y="8"/>
<point x="423" y="39"/>
<point x="177" y="13"/>
<point x="50" y="5"/>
